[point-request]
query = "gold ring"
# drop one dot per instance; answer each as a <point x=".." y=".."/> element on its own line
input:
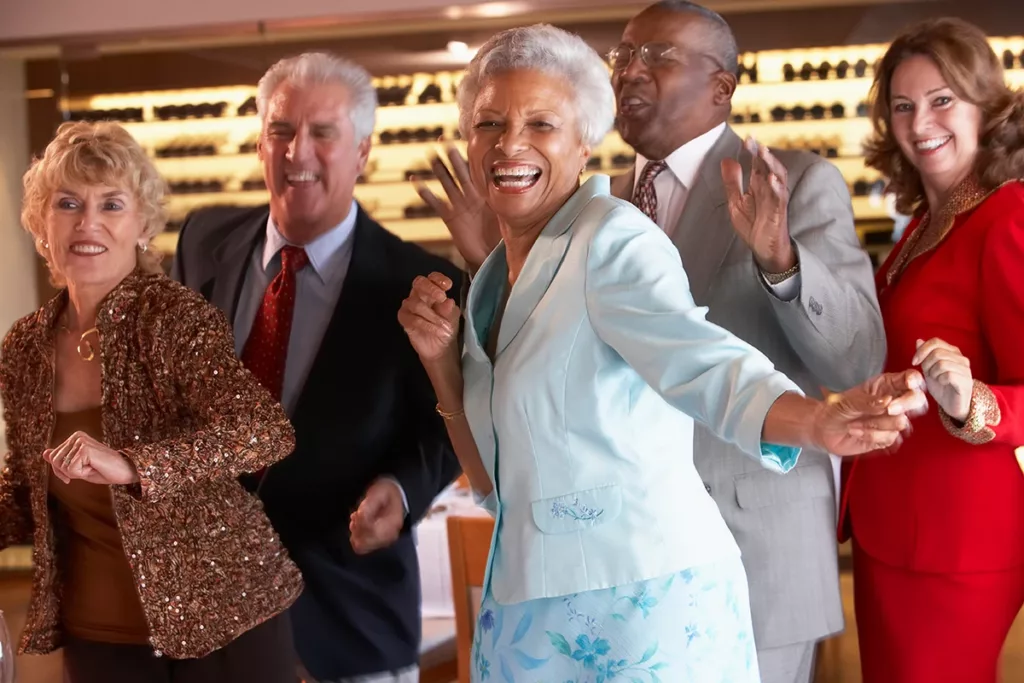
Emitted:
<point x="834" y="398"/>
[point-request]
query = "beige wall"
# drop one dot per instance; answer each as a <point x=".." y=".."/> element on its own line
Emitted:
<point x="17" y="257"/>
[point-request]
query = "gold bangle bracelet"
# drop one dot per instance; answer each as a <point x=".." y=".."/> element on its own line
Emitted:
<point x="447" y="415"/>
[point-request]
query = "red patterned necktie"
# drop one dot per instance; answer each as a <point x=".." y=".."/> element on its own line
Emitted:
<point x="267" y="346"/>
<point x="644" y="196"/>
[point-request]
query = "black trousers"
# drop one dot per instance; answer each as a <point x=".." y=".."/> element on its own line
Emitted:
<point x="265" y="654"/>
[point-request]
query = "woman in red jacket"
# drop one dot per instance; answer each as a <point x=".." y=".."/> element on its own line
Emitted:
<point x="938" y="526"/>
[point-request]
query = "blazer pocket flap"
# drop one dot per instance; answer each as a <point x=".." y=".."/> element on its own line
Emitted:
<point x="762" y="489"/>
<point x="577" y="510"/>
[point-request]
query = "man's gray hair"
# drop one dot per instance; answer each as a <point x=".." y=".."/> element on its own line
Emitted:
<point x="722" y="36"/>
<point x="551" y="50"/>
<point x="318" y="68"/>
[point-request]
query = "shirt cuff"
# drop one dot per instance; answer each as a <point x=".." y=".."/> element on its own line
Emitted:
<point x="779" y="459"/>
<point x="405" y="500"/>
<point x="787" y="290"/>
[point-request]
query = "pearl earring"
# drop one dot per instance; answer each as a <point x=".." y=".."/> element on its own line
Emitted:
<point x="43" y="243"/>
<point x="144" y="246"/>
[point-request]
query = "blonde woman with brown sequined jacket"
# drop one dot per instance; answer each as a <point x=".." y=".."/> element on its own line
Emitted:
<point x="129" y="420"/>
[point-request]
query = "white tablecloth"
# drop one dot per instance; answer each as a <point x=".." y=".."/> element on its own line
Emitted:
<point x="432" y="550"/>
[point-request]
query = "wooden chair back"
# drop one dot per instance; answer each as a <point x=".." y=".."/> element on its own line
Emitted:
<point x="469" y="543"/>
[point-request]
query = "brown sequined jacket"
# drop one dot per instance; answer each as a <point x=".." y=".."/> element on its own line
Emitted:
<point x="207" y="563"/>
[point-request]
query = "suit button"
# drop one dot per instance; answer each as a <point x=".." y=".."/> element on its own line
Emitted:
<point x="707" y="487"/>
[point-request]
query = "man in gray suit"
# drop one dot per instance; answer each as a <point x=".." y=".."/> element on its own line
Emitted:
<point x="797" y="286"/>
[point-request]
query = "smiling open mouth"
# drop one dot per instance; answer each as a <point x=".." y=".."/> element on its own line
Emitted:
<point x="932" y="144"/>
<point x="87" y="249"/>
<point x="301" y="178"/>
<point x="516" y="178"/>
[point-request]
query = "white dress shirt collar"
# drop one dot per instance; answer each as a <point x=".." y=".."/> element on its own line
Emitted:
<point x="685" y="162"/>
<point x="322" y="251"/>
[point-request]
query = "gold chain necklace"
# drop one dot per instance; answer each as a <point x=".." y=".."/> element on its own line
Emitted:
<point x="90" y="352"/>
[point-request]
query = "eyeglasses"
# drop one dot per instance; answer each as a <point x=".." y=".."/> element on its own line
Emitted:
<point x="655" y="55"/>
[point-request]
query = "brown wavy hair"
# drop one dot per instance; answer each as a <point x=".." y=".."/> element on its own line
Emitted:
<point x="972" y="70"/>
<point x="94" y="154"/>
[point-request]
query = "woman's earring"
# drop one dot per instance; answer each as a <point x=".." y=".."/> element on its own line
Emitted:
<point x="44" y="244"/>
<point x="144" y="246"/>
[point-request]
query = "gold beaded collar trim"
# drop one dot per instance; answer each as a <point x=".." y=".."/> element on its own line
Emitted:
<point x="930" y="233"/>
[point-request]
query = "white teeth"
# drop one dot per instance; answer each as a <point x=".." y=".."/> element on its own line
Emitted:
<point x="931" y="144"/>
<point x="516" y="183"/>
<point x="302" y="177"/>
<point x="88" y="249"/>
<point x="515" y="171"/>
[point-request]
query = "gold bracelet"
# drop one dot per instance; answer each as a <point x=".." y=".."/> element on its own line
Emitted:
<point x="449" y="416"/>
<point x="778" y="278"/>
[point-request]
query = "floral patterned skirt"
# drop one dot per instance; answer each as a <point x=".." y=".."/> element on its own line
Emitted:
<point x="689" y="627"/>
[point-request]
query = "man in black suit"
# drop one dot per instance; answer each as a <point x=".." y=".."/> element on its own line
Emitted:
<point x="313" y="286"/>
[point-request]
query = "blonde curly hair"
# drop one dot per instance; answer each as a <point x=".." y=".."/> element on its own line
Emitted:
<point x="101" y="153"/>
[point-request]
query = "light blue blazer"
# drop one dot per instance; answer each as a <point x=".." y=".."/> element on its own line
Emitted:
<point x="585" y="419"/>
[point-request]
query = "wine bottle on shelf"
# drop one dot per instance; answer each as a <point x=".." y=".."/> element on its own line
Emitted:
<point x="842" y="68"/>
<point x="430" y="94"/>
<point x="247" y="108"/>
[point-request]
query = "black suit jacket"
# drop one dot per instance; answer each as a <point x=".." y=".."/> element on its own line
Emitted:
<point x="367" y="410"/>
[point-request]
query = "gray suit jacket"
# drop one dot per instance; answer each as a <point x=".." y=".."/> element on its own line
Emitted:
<point x="831" y="335"/>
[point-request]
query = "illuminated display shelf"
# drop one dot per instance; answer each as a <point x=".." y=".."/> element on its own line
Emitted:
<point x="387" y="191"/>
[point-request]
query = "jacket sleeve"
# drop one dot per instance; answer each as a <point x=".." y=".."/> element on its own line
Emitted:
<point x="429" y="465"/>
<point x="239" y="427"/>
<point x="997" y="409"/>
<point x="16" y="524"/>
<point x="639" y="303"/>
<point x="834" y="323"/>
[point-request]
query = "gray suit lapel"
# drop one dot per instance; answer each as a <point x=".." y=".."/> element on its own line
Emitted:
<point x="702" y="238"/>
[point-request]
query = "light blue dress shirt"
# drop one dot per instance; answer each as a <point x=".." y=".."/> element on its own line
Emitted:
<point x="317" y="288"/>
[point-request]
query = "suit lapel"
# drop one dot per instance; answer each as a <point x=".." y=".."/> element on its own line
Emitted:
<point x="358" y="308"/>
<point x="544" y="260"/>
<point x="702" y="238"/>
<point x="232" y="259"/>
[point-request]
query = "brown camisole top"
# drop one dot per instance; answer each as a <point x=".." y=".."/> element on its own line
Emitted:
<point x="100" y="601"/>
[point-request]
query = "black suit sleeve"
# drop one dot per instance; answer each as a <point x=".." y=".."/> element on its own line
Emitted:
<point x="432" y="464"/>
<point x="178" y="265"/>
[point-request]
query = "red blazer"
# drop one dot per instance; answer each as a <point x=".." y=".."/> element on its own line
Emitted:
<point x="952" y="500"/>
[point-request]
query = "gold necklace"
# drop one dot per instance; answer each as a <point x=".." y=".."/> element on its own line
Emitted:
<point x="82" y="341"/>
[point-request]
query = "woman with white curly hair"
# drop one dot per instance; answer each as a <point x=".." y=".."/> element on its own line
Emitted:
<point x="571" y="406"/>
